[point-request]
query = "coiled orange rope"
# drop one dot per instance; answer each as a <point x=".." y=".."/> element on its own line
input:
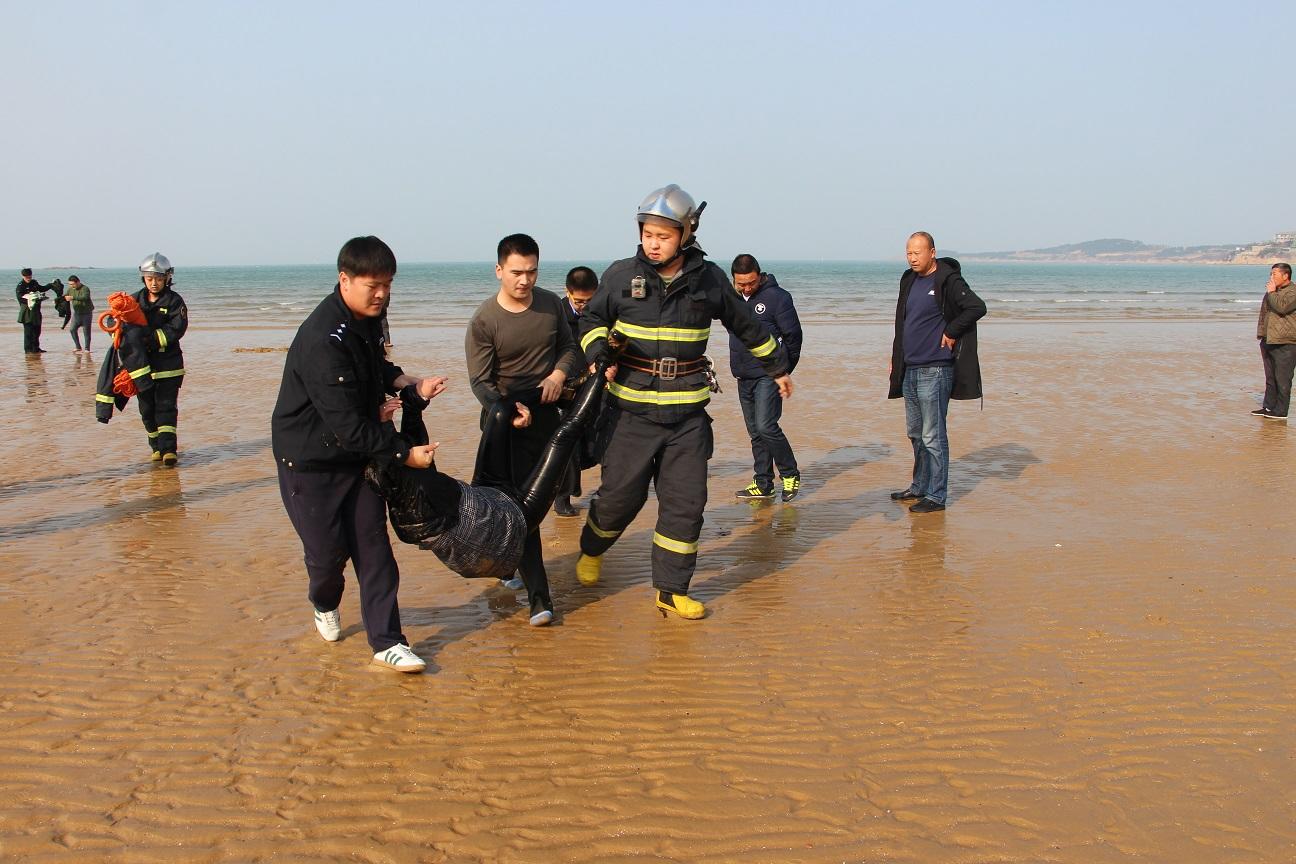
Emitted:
<point x="123" y="309"/>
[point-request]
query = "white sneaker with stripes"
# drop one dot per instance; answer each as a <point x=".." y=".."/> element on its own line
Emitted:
<point x="329" y="625"/>
<point x="400" y="658"/>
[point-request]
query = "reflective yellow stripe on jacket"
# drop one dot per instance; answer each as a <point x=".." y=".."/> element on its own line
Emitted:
<point x="653" y="397"/>
<point x="664" y="334"/>
<point x="162" y="340"/>
<point x="174" y="373"/>
<point x="142" y="371"/>
<point x="596" y="333"/>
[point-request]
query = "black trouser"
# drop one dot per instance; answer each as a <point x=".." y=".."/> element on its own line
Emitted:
<point x="525" y="448"/>
<point x="762" y="406"/>
<point x="31" y="336"/>
<point x="157" y="407"/>
<point x="338" y="517"/>
<point x="1279" y="362"/>
<point x="673" y="457"/>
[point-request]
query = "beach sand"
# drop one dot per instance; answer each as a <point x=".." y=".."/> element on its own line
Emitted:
<point x="1088" y="658"/>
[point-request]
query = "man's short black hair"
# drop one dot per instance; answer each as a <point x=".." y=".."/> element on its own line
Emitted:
<point x="582" y="279"/>
<point x="1283" y="267"/>
<point x="26" y="271"/>
<point x="517" y="244"/>
<point x="744" y="264"/>
<point x="75" y="278"/>
<point x="366" y="256"/>
<point x="931" y="242"/>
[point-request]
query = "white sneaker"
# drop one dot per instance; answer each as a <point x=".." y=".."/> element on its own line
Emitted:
<point x="514" y="584"/>
<point x="541" y="618"/>
<point x="329" y="625"/>
<point x="400" y="658"/>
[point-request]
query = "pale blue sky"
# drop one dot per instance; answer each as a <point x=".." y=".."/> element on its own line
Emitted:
<point x="225" y="133"/>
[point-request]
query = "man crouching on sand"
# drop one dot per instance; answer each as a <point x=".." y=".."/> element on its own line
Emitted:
<point x="331" y="418"/>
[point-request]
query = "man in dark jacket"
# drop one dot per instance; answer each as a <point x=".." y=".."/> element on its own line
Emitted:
<point x="664" y="300"/>
<point x="581" y="284"/>
<point x="933" y="360"/>
<point x="331" y="418"/>
<point x="762" y="406"/>
<point x="30" y="295"/>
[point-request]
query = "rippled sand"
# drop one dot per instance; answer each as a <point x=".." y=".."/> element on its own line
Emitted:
<point x="1088" y="658"/>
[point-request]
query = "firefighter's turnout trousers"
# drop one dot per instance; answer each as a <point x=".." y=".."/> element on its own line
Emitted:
<point x="673" y="456"/>
<point x="157" y="407"/>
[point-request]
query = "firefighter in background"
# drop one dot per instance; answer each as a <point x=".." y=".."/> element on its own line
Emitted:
<point x="664" y="299"/>
<point x="168" y="318"/>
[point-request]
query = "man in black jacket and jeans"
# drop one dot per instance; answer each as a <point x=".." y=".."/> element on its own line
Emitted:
<point x="933" y="360"/>
<point x="331" y="418"/>
<point x="762" y="406"/>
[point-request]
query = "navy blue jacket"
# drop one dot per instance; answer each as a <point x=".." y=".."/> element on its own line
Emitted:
<point x="772" y="306"/>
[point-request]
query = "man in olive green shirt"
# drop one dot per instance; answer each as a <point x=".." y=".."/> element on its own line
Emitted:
<point x="518" y="342"/>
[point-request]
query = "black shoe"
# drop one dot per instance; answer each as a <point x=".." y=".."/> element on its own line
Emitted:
<point x="754" y="492"/>
<point x="906" y="495"/>
<point x="926" y="505"/>
<point x="1260" y="412"/>
<point x="563" y="507"/>
<point x="1269" y="415"/>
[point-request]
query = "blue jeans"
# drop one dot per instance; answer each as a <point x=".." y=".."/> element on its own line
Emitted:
<point x="926" y="392"/>
<point x="762" y="406"/>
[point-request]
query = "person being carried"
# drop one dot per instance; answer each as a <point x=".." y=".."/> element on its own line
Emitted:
<point x="481" y="529"/>
<point x="518" y="340"/>
<point x="758" y="396"/>
<point x="328" y="424"/>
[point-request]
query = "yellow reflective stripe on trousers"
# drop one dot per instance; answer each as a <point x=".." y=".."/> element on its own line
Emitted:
<point x="596" y="333"/>
<point x="664" y="334"/>
<point x="174" y="373"/>
<point x="606" y="535"/>
<point x="153" y="434"/>
<point x="653" y="397"/>
<point x="674" y="545"/>
<point x="765" y="349"/>
<point x="162" y="340"/>
<point x="99" y="397"/>
<point x="147" y="370"/>
<point x="170" y="429"/>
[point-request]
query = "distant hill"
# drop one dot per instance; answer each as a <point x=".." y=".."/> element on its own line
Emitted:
<point x="1119" y="251"/>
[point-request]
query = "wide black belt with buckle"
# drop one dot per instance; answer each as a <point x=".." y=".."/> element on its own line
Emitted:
<point x="665" y="368"/>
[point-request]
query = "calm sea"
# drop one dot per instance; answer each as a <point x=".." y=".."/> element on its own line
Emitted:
<point x="836" y="291"/>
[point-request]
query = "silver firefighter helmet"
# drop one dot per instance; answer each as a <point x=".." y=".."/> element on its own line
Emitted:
<point x="156" y="263"/>
<point x="674" y="205"/>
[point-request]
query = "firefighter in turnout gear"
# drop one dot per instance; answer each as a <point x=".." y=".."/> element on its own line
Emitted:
<point x="168" y="318"/>
<point x="664" y="300"/>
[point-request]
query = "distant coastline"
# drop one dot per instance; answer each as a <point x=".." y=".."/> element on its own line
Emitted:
<point x="1117" y="251"/>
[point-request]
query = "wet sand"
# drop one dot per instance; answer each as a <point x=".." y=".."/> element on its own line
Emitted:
<point x="1088" y="658"/>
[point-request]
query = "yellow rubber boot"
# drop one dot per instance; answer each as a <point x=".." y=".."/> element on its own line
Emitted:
<point x="589" y="568"/>
<point x="156" y="456"/>
<point x="681" y="604"/>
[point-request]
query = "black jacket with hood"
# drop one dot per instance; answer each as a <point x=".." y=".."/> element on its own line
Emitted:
<point x="961" y="309"/>
<point x="771" y="305"/>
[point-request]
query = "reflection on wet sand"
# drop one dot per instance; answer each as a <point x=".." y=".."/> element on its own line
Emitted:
<point x="1080" y="661"/>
